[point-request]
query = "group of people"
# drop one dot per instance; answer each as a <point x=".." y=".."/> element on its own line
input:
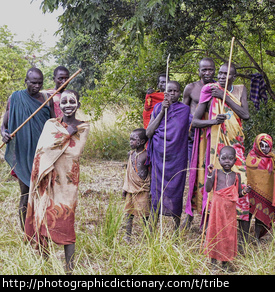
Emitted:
<point x="197" y="129"/>
<point x="44" y="156"/>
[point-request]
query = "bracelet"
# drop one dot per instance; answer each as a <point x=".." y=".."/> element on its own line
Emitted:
<point x="209" y="176"/>
<point x="244" y="192"/>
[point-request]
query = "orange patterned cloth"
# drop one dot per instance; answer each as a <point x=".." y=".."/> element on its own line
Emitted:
<point x="54" y="184"/>
<point x="221" y="237"/>
<point x="260" y="176"/>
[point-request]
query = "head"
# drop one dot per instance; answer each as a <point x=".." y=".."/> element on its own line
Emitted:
<point x="223" y="73"/>
<point x="69" y="102"/>
<point x="227" y="158"/>
<point x="138" y="138"/>
<point x="206" y="70"/>
<point x="60" y="75"/>
<point x="263" y="144"/>
<point x="162" y="82"/>
<point x="34" y="81"/>
<point x="173" y="88"/>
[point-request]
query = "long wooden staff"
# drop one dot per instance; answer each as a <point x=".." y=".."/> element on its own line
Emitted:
<point x="34" y="113"/>
<point x="217" y="141"/>
<point x="164" y="151"/>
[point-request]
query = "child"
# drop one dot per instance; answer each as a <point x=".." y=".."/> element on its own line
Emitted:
<point x="221" y="237"/>
<point x="55" y="178"/>
<point x="136" y="186"/>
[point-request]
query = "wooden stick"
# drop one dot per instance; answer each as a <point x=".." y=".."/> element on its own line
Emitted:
<point x="43" y="104"/>
<point x="164" y="151"/>
<point x="217" y="141"/>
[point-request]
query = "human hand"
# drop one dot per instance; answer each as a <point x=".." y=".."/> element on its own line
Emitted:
<point x="220" y="119"/>
<point x="6" y="137"/>
<point x="216" y="92"/>
<point x="150" y="90"/>
<point x="247" y="189"/>
<point x="210" y="168"/>
<point x="166" y="101"/>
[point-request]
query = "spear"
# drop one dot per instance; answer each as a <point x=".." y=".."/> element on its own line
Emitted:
<point x="43" y="104"/>
<point x="218" y="136"/>
<point x="164" y="151"/>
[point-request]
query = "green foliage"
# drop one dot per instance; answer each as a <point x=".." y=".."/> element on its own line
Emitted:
<point x="16" y="59"/>
<point x="261" y="121"/>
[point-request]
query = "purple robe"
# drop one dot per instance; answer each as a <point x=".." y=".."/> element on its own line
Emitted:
<point x="176" y="159"/>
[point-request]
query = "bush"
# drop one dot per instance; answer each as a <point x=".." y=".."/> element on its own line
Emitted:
<point x="109" y="137"/>
<point x="261" y="121"/>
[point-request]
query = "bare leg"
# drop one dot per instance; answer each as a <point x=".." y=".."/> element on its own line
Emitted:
<point x="260" y="229"/>
<point x="69" y="257"/>
<point x="129" y="226"/>
<point x="23" y="204"/>
<point x="177" y="223"/>
<point x="187" y="222"/>
<point x="244" y="233"/>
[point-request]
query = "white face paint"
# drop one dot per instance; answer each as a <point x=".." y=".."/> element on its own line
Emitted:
<point x="264" y="147"/>
<point x="68" y="103"/>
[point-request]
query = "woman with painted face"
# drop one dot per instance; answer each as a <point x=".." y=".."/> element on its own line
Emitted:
<point x="55" y="178"/>
<point x="260" y="164"/>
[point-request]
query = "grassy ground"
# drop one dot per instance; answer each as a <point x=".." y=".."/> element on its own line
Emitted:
<point x="100" y="248"/>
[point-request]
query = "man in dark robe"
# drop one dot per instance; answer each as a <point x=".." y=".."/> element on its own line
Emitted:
<point x="21" y="148"/>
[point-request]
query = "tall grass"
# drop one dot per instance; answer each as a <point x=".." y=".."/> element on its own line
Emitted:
<point x="99" y="225"/>
<point x="109" y="136"/>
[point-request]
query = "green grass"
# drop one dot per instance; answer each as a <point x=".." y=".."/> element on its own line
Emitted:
<point x="99" y="225"/>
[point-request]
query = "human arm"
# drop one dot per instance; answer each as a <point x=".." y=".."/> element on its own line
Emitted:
<point x="155" y="121"/>
<point x="187" y="94"/>
<point x="197" y="121"/>
<point x="245" y="190"/>
<point x="240" y="110"/>
<point x="210" y="178"/>
<point x="4" y="127"/>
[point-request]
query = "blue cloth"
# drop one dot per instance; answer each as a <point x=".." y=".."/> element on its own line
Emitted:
<point x="257" y="90"/>
<point x="20" y="150"/>
<point x="176" y="159"/>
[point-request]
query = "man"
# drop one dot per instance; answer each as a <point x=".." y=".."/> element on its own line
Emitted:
<point x="207" y="117"/>
<point x="176" y="155"/>
<point x="191" y="94"/>
<point x="60" y="75"/>
<point x="21" y="148"/>
<point x="152" y="98"/>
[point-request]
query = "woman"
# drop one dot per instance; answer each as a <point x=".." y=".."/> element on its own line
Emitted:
<point x="55" y="178"/>
<point x="260" y="164"/>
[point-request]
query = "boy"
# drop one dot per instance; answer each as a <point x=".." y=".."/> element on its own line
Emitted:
<point x="136" y="186"/>
<point x="221" y="237"/>
<point x="176" y="154"/>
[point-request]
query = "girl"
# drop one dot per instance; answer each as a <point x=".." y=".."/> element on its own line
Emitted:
<point x="55" y="178"/>
<point x="221" y="237"/>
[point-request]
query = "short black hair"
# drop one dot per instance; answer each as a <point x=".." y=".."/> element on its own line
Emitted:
<point x="208" y="60"/>
<point x="162" y="75"/>
<point x="175" y="82"/>
<point x="232" y="66"/>
<point x="141" y="134"/>
<point x="229" y="148"/>
<point x="60" y="68"/>
<point x="34" y="69"/>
